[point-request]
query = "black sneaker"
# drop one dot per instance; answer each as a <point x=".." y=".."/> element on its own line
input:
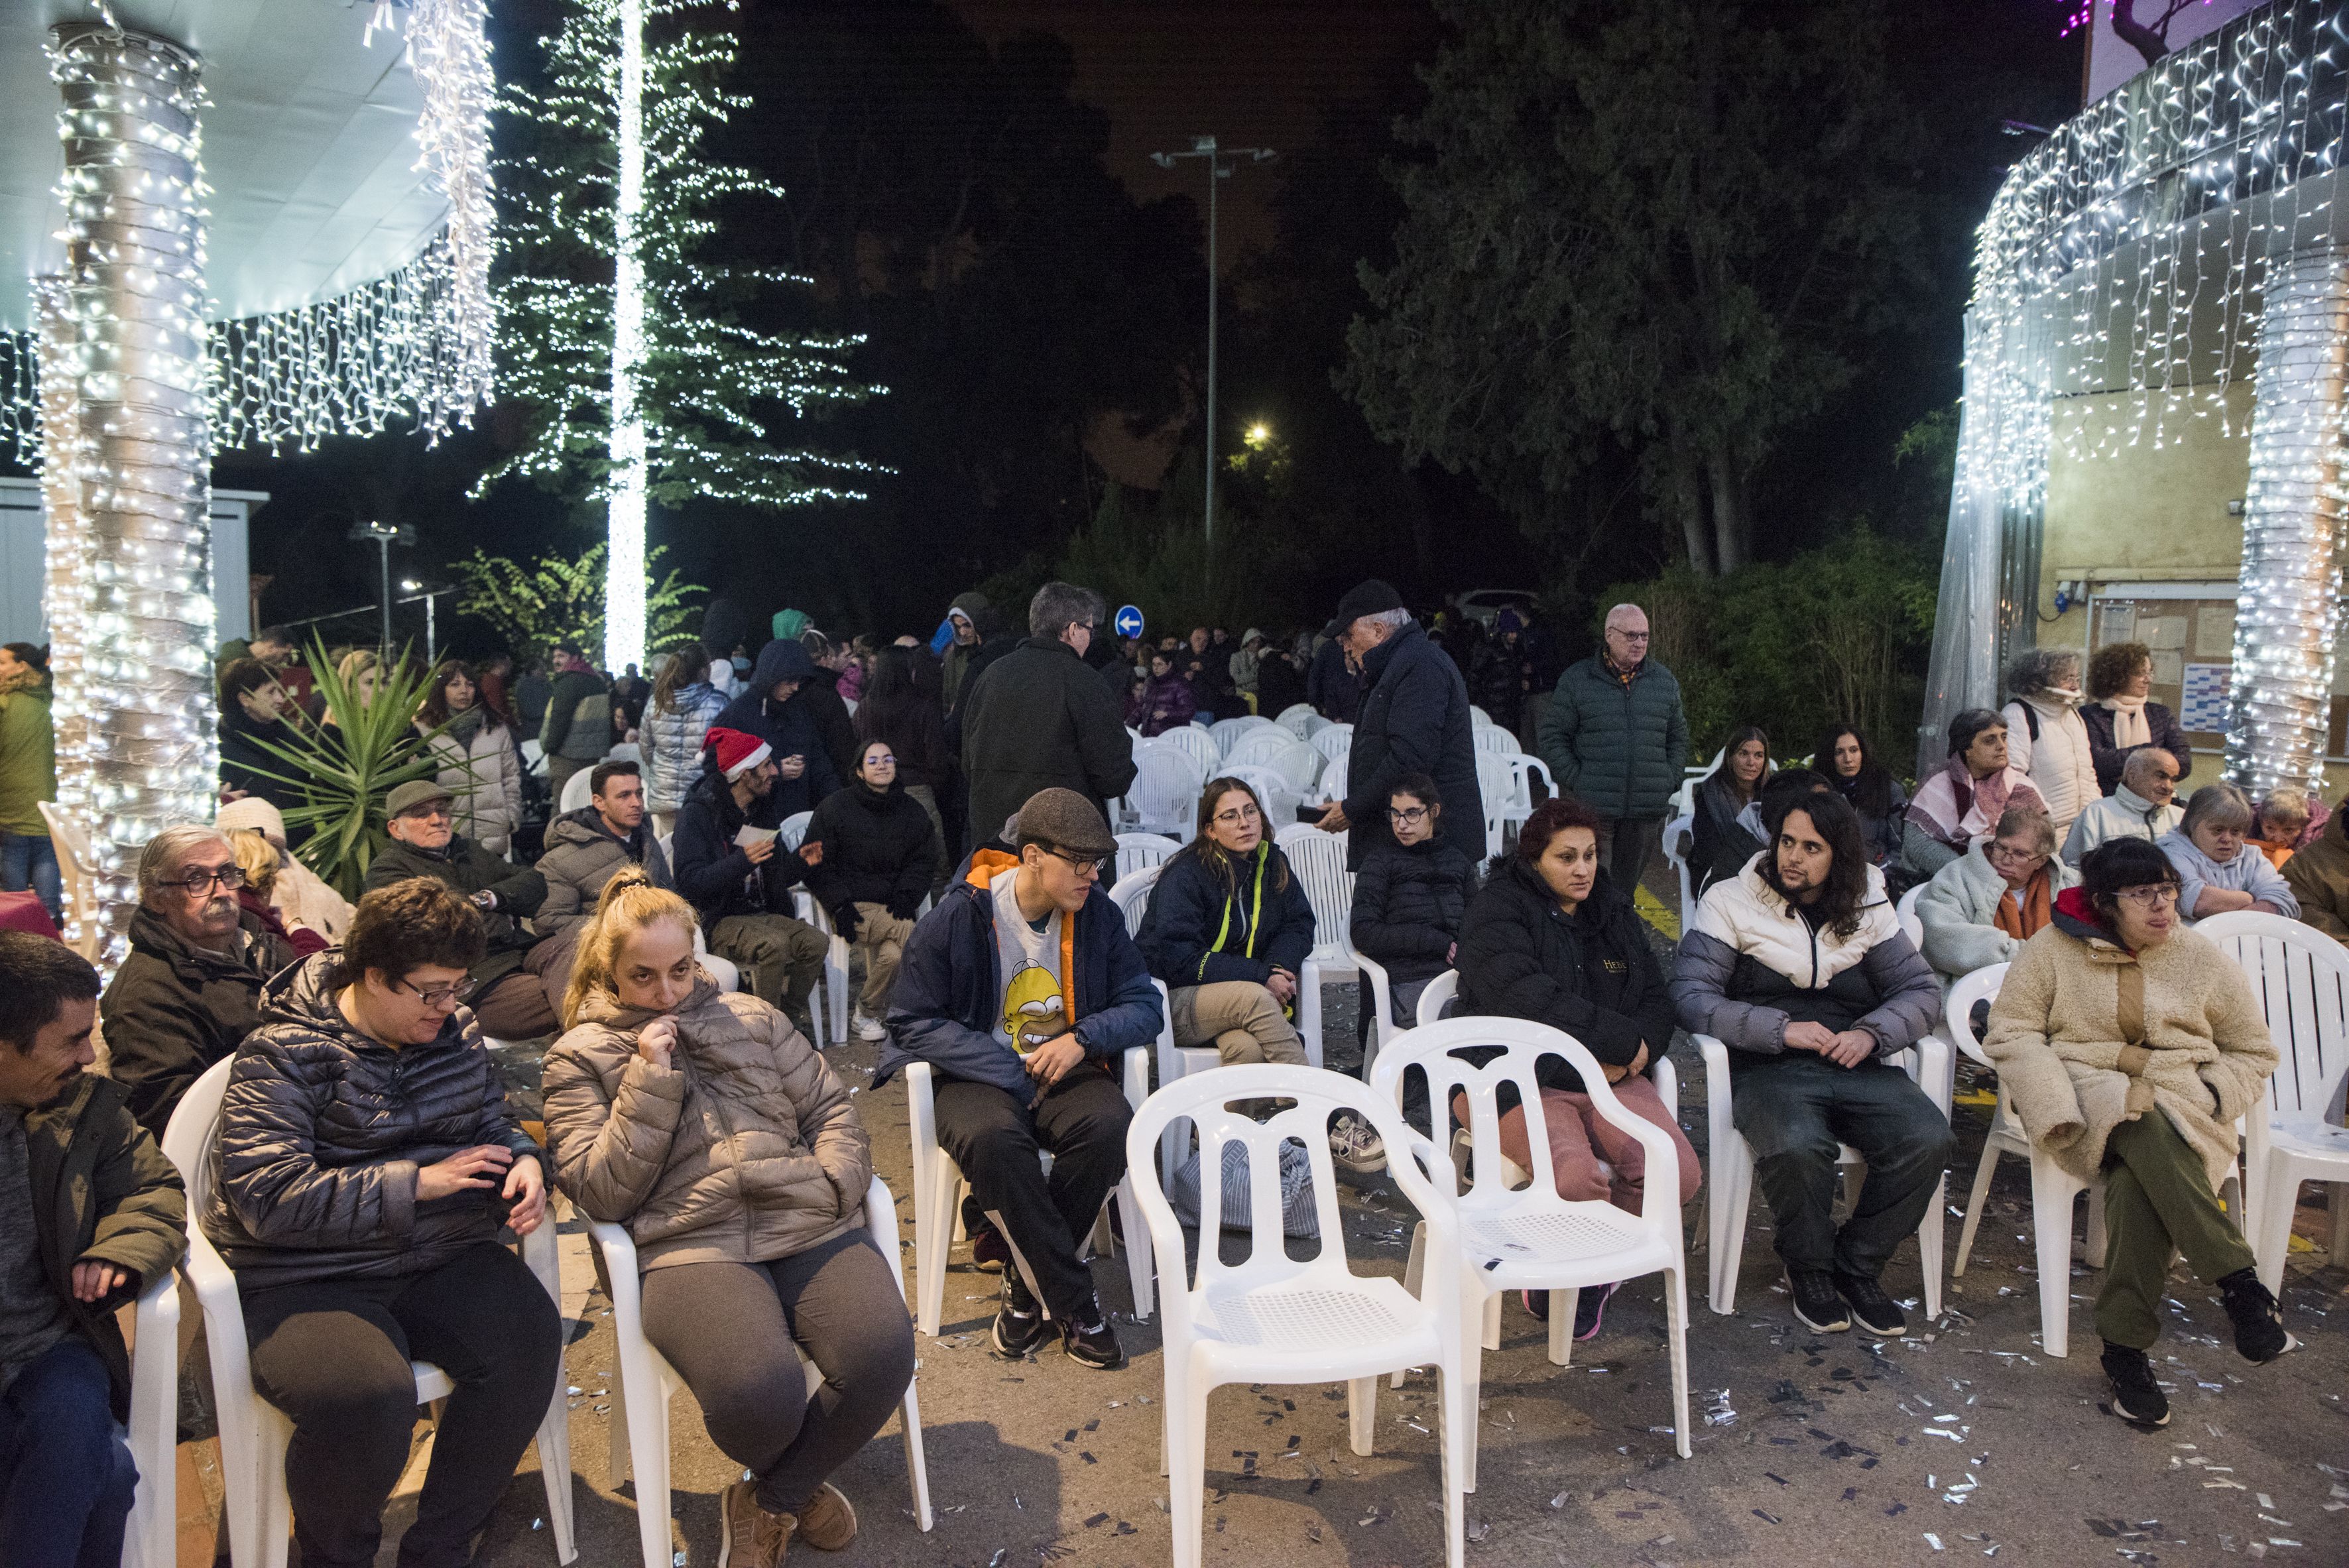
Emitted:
<point x="1020" y="1325"/>
<point x="1875" y="1312"/>
<point x="2259" y="1332"/>
<point x="2137" y="1397"/>
<point x="1818" y="1304"/>
<point x="1088" y="1338"/>
<point x="1590" y="1311"/>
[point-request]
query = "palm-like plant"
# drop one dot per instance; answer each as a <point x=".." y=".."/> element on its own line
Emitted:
<point x="344" y="767"/>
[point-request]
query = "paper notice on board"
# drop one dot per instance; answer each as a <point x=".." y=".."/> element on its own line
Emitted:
<point x="2120" y="622"/>
<point x="2214" y="633"/>
<point x="2168" y="669"/>
<point x="2204" y="709"/>
<point x="2159" y="632"/>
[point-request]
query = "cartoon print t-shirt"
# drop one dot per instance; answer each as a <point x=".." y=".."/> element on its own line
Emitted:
<point x="1028" y="962"/>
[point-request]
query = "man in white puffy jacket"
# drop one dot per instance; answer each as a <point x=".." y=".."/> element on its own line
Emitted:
<point x="1799" y="966"/>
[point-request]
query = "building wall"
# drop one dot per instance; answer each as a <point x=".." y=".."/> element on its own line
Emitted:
<point x="23" y="553"/>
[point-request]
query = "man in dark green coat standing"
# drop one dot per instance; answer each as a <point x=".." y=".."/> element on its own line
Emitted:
<point x="1615" y="738"/>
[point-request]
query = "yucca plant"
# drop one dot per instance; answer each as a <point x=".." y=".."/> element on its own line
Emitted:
<point x="344" y="769"/>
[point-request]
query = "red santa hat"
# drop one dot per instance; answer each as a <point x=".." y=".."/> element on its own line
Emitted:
<point x="737" y="753"/>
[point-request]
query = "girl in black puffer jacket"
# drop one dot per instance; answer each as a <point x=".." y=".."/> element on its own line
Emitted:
<point x="365" y="1158"/>
<point x="1551" y="939"/>
<point x="879" y="852"/>
<point x="1411" y="896"/>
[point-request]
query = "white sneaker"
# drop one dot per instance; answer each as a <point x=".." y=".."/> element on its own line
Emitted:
<point x="867" y="1028"/>
<point x="1354" y="1146"/>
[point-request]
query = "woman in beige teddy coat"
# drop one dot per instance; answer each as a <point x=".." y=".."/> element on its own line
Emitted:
<point x="2128" y="1045"/>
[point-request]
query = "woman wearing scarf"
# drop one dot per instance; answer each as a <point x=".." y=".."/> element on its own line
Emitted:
<point x="1980" y="908"/>
<point x="2120" y="717"/>
<point x="1960" y="806"/>
<point x="479" y="760"/>
<point x="2047" y="738"/>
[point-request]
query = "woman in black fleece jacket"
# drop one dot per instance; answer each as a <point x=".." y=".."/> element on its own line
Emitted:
<point x="1551" y="939"/>
<point x="1410" y="898"/>
<point x="879" y="852"/>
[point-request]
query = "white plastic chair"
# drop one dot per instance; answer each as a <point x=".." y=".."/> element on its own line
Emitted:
<point x="1132" y="897"/>
<point x="1680" y="838"/>
<point x="253" y="1433"/>
<point x="1272" y="1318"/>
<point x="1478" y="718"/>
<point x="2300" y="977"/>
<point x="1136" y="850"/>
<point x="640" y="1428"/>
<point x="73" y="870"/>
<point x="1333" y="740"/>
<point x="1298" y="766"/>
<point x="1258" y="743"/>
<point x="939" y="1186"/>
<point x="1515" y="1232"/>
<point x="1927" y="1065"/>
<point x="154" y="1433"/>
<point x="1905" y="911"/>
<point x="1196" y="744"/>
<point x="1302" y="722"/>
<point x="1493" y="792"/>
<point x="1165" y="794"/>
<point x="828" y="1006"/>
<point x="1227" y="733"/>
<point x="1440" y="994"/>
<point x="533" y="758"/>
<point x="1491" y="737"/>
<point x="1331" y="785"/>
<point x="577" y="790"/>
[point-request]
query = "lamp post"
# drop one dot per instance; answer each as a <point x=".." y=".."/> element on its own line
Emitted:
<point x="428" y="591"/>
<point x="1221" y="160"/>
<point x="384" y="535"/>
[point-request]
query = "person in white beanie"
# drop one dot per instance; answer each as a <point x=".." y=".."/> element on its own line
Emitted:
<point x="298" y="895"/>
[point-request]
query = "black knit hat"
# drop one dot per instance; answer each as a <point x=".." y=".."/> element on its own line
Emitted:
<point x="1368" y="598"/>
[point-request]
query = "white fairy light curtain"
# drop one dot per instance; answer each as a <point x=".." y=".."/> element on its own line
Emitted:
<point x="2138" y="251"/>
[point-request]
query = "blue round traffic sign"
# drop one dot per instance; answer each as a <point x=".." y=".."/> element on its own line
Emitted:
<point x="1129" y="620"/>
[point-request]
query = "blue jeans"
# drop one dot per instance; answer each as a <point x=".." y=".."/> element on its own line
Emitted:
<point x="28" y="860"/>
<point x="66" y="1477"/>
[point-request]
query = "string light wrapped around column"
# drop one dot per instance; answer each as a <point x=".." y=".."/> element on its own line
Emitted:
<point x="65" y="587"/>
<point x="141" y="455"/>
<point x="2288" y="615"/>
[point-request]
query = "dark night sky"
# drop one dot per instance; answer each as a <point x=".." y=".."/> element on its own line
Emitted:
<point x="1250" y="75"/>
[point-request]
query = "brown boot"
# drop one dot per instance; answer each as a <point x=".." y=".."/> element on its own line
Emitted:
<point x="749" y="1536"/>
<point x="828" y="1522"/>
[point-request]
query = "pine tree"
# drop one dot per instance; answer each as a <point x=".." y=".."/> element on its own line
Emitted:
<point x="716" y="397"/>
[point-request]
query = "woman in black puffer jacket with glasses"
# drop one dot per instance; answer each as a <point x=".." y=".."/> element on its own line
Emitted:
<point x="365" y="1157"/>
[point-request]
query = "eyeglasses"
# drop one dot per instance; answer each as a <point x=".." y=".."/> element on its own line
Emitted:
<point x="1086" y="865"/>
<point x="1237" y="815"/>
<point x="884" y="760"/>
<point x="439" y="995"/>
<point x="2150" y="897"/>
<point x="1408" y="816"/>
<point x="2003" y="852"/>
<point x="199" y="882"/>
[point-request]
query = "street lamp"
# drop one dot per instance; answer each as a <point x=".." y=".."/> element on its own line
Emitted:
<point x="428" y="591"/>
<point x="1221" y="160"/>
<point x="384" y="535"/>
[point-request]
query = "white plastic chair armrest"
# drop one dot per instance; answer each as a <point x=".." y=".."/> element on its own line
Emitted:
<point x="1309" y="1010"/>
<point x="1715" y="1055"/>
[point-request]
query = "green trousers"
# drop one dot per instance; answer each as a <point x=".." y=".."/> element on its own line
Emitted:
<point x="2158" y="1200"/>
<point x="781" y="958"/>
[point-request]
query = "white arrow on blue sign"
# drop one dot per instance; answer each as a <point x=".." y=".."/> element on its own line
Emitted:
<point x="1129" y="620"/>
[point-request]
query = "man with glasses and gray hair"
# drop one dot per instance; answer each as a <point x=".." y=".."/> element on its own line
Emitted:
<point x="2144" y="806"/>
<point x="1040" y="718"/>
<point x="189" y="991"/>
<point x="508" y="998"/>
<point x="1022" y="991"/>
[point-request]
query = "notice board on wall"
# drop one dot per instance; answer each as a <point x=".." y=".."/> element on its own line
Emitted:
<point x="2193" y="643"/>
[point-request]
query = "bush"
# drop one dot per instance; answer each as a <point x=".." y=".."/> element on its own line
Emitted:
<point x="1836" y="635"/>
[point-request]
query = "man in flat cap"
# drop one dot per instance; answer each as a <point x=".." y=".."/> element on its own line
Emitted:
<point x="1413" y="719"/>
<point x="1023" y="992"/>
<point x="510" y="1001"/>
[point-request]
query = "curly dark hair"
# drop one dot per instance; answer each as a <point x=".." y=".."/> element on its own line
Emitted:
<point x="1838" y="826"/>
<point x="400" y="928"/>
<point x="2112" y="666"/>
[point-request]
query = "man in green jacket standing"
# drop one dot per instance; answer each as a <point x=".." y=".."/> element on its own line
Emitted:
<point x="91" y="1213"/>
<point x="28" y="775"/>
<point x="1615" y="738"/>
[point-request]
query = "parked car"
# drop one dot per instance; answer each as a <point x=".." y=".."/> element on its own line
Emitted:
<point x="1486" y="603"/>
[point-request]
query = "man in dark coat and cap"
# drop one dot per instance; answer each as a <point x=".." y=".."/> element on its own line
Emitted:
<point x="1413" y="719"/>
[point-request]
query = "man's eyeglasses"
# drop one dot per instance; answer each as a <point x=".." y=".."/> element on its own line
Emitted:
<point x="1086" y="865"/>
<point x="2152" y="896"/>
<point x="439" y="996"/>
<point x="1237" y="815"/>
<point x="1407" y="816"/>
<point x="199" y="882"/>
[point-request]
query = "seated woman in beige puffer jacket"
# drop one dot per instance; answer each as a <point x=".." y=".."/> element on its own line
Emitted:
<point x="2128" y="1045"/>
<point x="702" y="1121"/>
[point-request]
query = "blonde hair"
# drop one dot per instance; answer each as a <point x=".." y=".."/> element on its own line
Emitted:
<point x="628" y="904"/>
<point x="257" y="857"/>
